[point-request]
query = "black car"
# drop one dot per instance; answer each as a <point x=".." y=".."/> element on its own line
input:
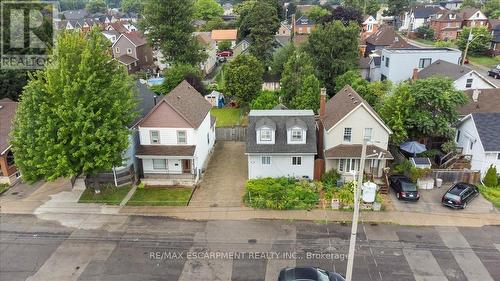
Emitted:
<point x="494" y="72"/>
<point x="308" y="273"/>
<point x="404" y="188"/>
<point x="459" y="195"/>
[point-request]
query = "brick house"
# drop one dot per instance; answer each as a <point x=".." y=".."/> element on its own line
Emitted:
<point x="473" y="17"/>
<point x="8" y="171"/>
<point x="446" y="25"/>
<point x="133" y="51"/>
<point x="303" y="25"/>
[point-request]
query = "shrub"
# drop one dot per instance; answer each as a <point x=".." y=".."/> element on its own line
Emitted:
<point x="491" y="179"/>
<point x="403" y="167"/>
<point x="425" y="32"/>
<point x="330" y="178"/>
<point x="431" y="153"/>
<point x="449" y="146"/>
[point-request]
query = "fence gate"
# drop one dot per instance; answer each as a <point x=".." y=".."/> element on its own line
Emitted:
<point x="236" y="133"/>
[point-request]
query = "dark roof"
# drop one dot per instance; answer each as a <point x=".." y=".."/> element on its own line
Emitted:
<point x="136" y="38"/>
<point x="447" y="15"/>
<point x="7" y="113"/>
<point x="354" y="151"/>
<point x="189" y="103"/>
<point x="75" y="14"/>
<point x="126" y="59"/>
<point x="303" y="20"/>
<point x="488" y="100"/>
<point x="444" y="68"/>
<point x="425" y="11"/>
<point x="281" y="145"/>
<point x="469" y="12"/>
<point x="488" y="128"/>
<point x="269" y="77"/>
<point x="146" y="101"/>
<point x="166" y="150"/>
<point x="387" y="36"/>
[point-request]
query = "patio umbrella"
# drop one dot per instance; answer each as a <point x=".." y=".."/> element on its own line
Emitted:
<point x="413" y="147"/>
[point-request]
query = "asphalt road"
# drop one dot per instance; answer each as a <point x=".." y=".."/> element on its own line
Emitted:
<point x="152" y="248"/>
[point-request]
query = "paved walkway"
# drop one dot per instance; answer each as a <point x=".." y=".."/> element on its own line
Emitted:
<point x="223" y="183"/>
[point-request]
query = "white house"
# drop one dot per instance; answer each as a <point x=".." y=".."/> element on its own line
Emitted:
<point x="463" y="77"/>
<point x="347" y="121"/>
<point x="281" y="143"/>
<point x="399" y="64"/>
<point x="176" y="138"/>
<point x="210" y="48"/>
<point x="452" y="4"/>
<point x="418" y="16"/>
<point x="478" y="134"/>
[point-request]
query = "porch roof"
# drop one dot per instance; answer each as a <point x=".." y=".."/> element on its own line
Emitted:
<point x="165" y="150"/>
<point x="354" y="151"/>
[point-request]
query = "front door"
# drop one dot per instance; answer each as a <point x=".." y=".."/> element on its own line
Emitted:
<point x="186" y="166"/>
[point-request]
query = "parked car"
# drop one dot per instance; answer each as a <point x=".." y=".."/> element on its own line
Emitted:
<point x="459" y="195"/>
<point x="225" y="54"/>
<point x="404" y="188"/>
<point x="308" y="273"/>
<point x="494" y="72"/>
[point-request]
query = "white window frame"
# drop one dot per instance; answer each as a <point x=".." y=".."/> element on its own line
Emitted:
<point x="347" y="129"/>
<point x="422" y="62"/>
<point x="266" y="131"/>
<point x="300" y="133"/>
<point x="154" y="140"/>
<point x="350" y="164"/>
<point x="296" y="160"/>
<point x="156" y="161"/>
<point x="179" y="137"/>
<point x="117" y="50"/>
<point x="468" y="82"/>
<point x="265" y="160"/>
<point x="129" y="51"/>
<point x="366" y="136"/>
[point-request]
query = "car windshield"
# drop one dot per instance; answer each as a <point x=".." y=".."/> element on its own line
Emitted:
<point x="452" y="196"/>
<point x="408" y="186"/>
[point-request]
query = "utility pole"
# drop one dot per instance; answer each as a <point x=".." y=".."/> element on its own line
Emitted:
<point x="355" y="215"/>
<point x="469" y="39"/>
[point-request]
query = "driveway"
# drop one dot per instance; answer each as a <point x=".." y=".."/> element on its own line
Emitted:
<point x="223" y="183"/>
<point x="430" y="202"/>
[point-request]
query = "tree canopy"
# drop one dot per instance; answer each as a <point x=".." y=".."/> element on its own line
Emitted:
<point x="73" y="116"/>
<point x="480" y="42"/>
<point x="317" y="13"/>
<point x="169" y="25"/>
<point x="492" y="9"/>
<point x="396" y="7"/>
<point x="346" y="15"/>
<point x="243" y="78"/>
<point x="265" y="100"/>
<point x="134" y="6"/>
<point x="297" y="68"/>
<point x="96" y="6"/>
<point x="308" y="95"/>
<point x="179" y="72"/>
<point x="372" y="92"/>
<point x="280" y="57"/>
<point x="207" y="9"/>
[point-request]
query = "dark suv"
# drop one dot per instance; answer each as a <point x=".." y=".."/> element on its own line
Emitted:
<point x="309" y="274"/>
<point x="404" y="188"/>
<point x="459" y="195"/>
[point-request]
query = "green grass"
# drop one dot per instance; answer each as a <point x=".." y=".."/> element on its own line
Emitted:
<point x="227" y="117"/>
<point x="161" y="196"/>
<point x="484" y="60"/>
<point x="491" y="194"/>
<point x="3" y="187"/>
<point x="424" y="41"/>
<point x="109" y="195"/>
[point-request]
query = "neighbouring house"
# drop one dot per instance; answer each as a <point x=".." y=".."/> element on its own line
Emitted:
<point x="111" y="35"/>
<point x="281" y="143"/>
<point x="481" y="101"/>
<point x="75" y="14"/>
<point x="210" y="48"/>
<point x="451" y="4"/>
<point x="478" y="134"/>
<point x="215" y="98"/>
<point x="219" y="35"/>
<point x="374" y="69"/>
<point x="364" y="67"/>
<point x="176" y="138"/>
<point x="494" y="27"/>
<point x="400" y="64"/>
<point x="473" y="17"/>
<point x="8" y="171"/>
<point x="241" y="47"/>
<point x="228" y="9"/>
<point x="271" y="82"/>
<point x="347" y="120"/>
<point x="384" y="37"/>
<point x="303" y="25"/>
<point x="369" y="26"/>
<point x="418" y="16"/>
<point x="446" y="25"/>
<point x="133" y="51"/>
<point x="463" y="77"/>
<point x="284" y="30"/>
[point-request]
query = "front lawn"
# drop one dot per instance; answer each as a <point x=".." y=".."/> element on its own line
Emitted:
<point x="109" y="195"/>
<point x="487" y="61"/>
<point x="161" y="196"/>
<point x="227" y="117"/>
<point x="428" y="42"/>
<point x="491" y="194"/>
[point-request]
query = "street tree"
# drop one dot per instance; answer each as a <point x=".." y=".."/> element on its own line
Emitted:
<point x="480" y="41"/>
<point x="96" y="6"/>
<point x="207" y="9"/>
<point x="168" y="24"/>
<point x="308" y="95"/>
<point x="243" y="78"/>
<point x="134" y="6"/>
<point x="297" y="68"/>
<point x="333" y="48"/>
<point x="72" y="117"/>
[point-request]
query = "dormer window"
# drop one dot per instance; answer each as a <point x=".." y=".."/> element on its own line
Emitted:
<point x="297" y="135"/>
<point x="265" y="128"/>
<point x="265" y="135"/>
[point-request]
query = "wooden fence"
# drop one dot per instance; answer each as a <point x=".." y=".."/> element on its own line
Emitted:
<point x="453" y="176"/>
<point x="236" y="133"/>
<point x="124" y="177"/>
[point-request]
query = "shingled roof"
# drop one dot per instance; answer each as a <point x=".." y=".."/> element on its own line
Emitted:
<point x="488" y="128"/>
<point x="487" y="101"/>
<point x="444" y="68"/>
<point x="7" y="113"/>
<point x="387" y="36"/>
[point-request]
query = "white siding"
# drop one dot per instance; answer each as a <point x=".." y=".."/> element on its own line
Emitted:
<point x="168" y="136"/>
<point x="281" y="166"/>
<point x="174" y="166"/>
<point x="477" y="82"/>
<point x="203" y="147"/>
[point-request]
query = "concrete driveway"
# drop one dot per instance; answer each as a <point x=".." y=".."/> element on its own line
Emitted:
<point x="223" y="183"/>
<point x="430" y="202"/>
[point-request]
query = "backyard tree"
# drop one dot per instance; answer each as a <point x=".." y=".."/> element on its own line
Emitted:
<point x="169" y="26"/>
<point x="480" y="42"/>
<point x="396" y="113"/>
<point x="265" y="100"/>
<point x="96" y="6"/>
<point x="72" y="117"/>
<point x="243" y="78"/>
<point x="372" y="92"/>
<point x="492" y="9"/>
<point x="207" y="9"/>
<point x="491" y="178"/>
<point x="345" y="15"/>
<point x="333" y="49"/>
<point x="280" y="57"/>
<point x="224" y="45"/>
<point x="178" y="72"/>
<point x="297" y="68"/>
<point x="372" y="7"/>
<point x="308" y="95"/>
<point x="317" y="13"/>
<point x="134" y="6"/>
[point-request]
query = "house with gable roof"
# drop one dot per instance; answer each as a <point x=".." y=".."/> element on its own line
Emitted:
<point x="419" y="16"/>
<point x="176" y="138"/>
<point x="346" y="121"/>
<point x="384" y="37"/>
<point x="473" y="17"/>
<point x="133" y="51"/>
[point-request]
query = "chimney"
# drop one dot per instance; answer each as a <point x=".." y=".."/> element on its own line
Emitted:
<point x="415" y="74"/>
<point x="475" y="95"/>
<point x="154" y="98"/>
<point x="322" y="103"/>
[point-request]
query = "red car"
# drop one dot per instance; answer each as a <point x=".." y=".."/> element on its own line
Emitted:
<point x="225" y="54"/>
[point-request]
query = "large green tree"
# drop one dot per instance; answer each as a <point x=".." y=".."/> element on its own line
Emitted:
<point x="168" y="24"/>
<point x="12" y="83"/>
<point x="96" y="6"/>
<point x="134" y="6"/>
<point x="243" y="78"/>
<point x="492" y="9"/>
<point x="72" y="117"/>
<point x="308" y="95"/>
<point x="280" y="57"/>
<point x="372" y="92"/>
<point x="179" y="72"/>
<point x="424" y="108"/>
<point x="317" y="13"/>
<point x="297" y="68"/>
<point x="265" y="100"/>
<point x="480" y="42"/>
<point x="207" y="9"/>
<point x="333" y="49"/>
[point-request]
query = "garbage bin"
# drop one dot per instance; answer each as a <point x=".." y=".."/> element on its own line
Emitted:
<point x="439" y="183"/>
<point x="369" y="190"/>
